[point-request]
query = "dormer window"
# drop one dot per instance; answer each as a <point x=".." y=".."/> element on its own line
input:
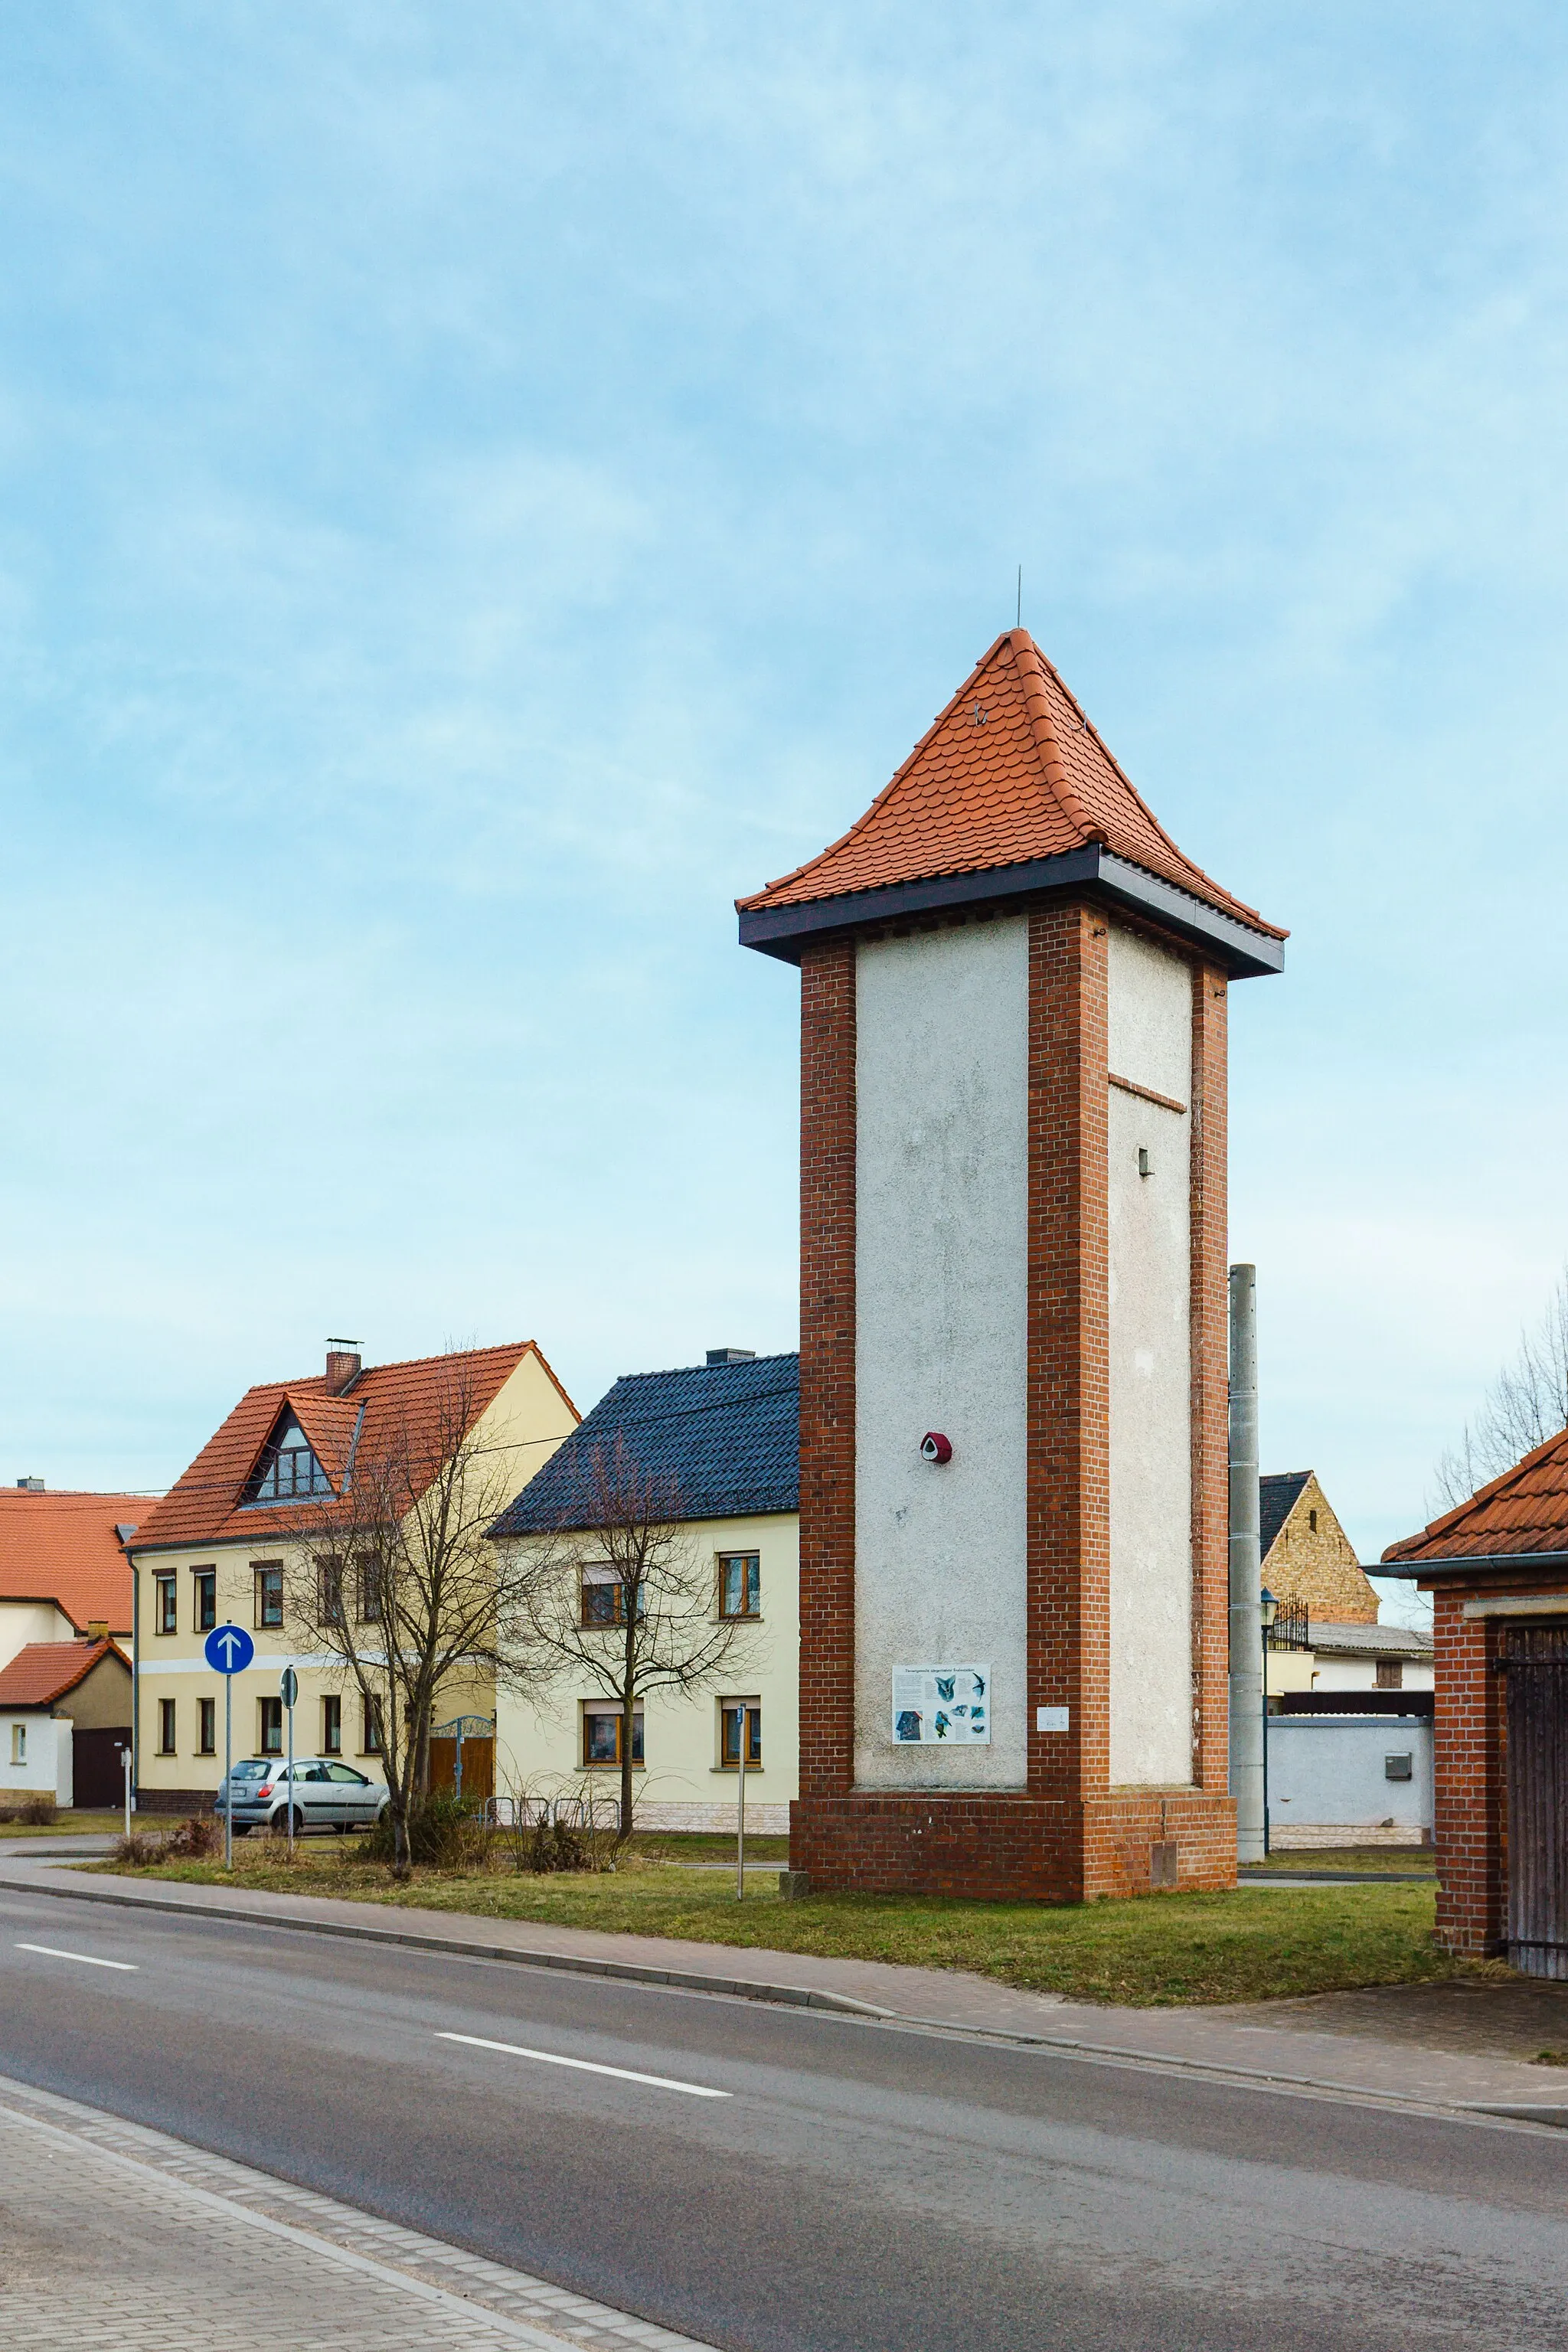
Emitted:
<point x="289" y="1471"/>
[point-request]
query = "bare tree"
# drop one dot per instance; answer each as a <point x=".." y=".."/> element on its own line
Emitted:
<point x="1526" y="1405"/>
<point x="624" y="1598"/>
<point x="395" y="1580"/>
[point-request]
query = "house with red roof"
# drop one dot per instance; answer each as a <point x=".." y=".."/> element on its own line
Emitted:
<point x="63" y="1568"/>
<point x="65" y="1722"/>
<point x="220" y="1547"/>
<point x="1013" y="1367"/>
<point x="1497" y="1568"/>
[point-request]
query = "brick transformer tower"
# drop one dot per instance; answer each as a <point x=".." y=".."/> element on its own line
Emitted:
<point x="1013" y="1317"/>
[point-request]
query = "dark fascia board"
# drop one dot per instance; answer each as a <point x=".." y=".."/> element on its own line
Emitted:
<point x="1247" y="954"/>
<point x="1462" y="1564"/>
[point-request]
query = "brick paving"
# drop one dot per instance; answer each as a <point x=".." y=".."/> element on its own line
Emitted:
<point x="117" y="2239"/>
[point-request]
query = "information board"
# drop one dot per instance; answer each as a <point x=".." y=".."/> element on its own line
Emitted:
<point x="942" y="1706"/>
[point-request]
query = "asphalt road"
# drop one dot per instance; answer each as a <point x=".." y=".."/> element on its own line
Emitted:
<point x="854" y="2186"/>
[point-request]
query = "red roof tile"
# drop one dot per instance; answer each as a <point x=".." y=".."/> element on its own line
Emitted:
<point x="204" y="1505"/>
<point x="1028" y="779"/>
<point x="1525" y="1510"/>
<point x="44" y="1671"/>
<point x="63" y="1547"/>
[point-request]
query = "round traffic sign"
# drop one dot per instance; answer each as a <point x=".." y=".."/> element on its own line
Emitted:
<point x="228" y="1649"/>
<point x="290" y="1686"/>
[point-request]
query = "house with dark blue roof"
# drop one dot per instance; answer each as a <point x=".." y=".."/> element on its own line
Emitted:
<point x="719" y="1443"/>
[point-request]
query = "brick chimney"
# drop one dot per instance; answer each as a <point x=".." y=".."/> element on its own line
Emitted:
<point x="98" y="1629"/>
<point x="342" y="1366"/>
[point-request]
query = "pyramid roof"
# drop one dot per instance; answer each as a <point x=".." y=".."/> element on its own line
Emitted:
<point x="1010" y="790"/>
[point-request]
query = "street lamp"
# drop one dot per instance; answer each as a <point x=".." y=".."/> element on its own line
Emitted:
<point x="1267" y="1608"/>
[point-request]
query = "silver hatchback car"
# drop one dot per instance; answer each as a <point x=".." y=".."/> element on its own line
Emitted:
<point x="322" y="1794"/>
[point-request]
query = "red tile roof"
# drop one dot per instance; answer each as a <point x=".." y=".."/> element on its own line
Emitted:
<point x="1029" y="779"/>
<point x="1525" y="1510"/>
<point x="63" y="1547"/>
<point x="44" y="1671"/>
<point x="204" y="1505"/>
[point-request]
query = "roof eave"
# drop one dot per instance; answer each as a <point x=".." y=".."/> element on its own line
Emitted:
<point x="1460" y="1564"/>
<point x="785" y="932"/>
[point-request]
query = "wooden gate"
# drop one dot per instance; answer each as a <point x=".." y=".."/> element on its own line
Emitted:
<point x="1536" y="1658"/>
<point x="479" y="1769"/>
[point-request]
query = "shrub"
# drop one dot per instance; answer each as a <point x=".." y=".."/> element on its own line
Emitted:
<point x="192" y="1840"/>
<point x="551" y="1846"/>
<point x="442" y="1836"/>
<point x="141" y="1848"/>
<point x="39" y="1812"/>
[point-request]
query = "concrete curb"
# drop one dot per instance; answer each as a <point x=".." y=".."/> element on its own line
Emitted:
<point x="468" y="1949"/>
<point x="1550" y="2114"/>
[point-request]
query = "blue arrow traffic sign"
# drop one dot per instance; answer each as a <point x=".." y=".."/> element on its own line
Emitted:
<point x="228" y="1649"/>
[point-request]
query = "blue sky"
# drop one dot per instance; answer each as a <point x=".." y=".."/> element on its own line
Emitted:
<point x="479" y="488"/>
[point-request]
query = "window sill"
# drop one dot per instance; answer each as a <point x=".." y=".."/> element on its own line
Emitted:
<point x="609" y="1768"/>
<point x="733" y="1771"/>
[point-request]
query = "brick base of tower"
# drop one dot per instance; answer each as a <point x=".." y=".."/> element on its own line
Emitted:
<point x="1014" y="1849"/>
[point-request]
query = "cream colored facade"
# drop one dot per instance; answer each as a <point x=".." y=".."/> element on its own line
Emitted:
<point x="525" y="1423"/>
<point x="683" y="1784"/>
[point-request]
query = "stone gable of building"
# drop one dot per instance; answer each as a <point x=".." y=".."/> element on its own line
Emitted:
<point x="1312" y="1560"/>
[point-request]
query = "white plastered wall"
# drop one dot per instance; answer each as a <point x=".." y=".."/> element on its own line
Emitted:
<point x="683" y="1784"/>
<point x="45" y="1768"/>
<point x="1150" y="1043"/>
<point x="22" y="1621"/>
<point x="940" y="1282"/>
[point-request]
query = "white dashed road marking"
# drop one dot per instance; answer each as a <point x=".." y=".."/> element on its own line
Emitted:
<point x="88" y="1959"/>
<point x="586" y="2066"/>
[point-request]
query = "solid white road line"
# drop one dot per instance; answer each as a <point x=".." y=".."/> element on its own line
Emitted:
<point x="586" y="2066"/>
<point x="88" y="1959"/>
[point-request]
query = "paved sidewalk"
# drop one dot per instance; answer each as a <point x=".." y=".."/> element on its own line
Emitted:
<point x="123" y="2239"/>
<point x="1286" y="2042"/>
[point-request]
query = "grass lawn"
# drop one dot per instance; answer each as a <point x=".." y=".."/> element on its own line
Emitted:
<point x="1392" y="1861"/>
<point x="1158" y="1949"/>
<point x="67" y="1825"/>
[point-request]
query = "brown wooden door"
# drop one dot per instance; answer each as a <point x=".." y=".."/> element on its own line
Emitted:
<point x="98" y="1776"/>
<point x="479" y="1769"/>
<point x="1537" y="1662"/>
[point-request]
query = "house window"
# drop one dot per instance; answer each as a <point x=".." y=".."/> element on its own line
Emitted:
<point x="1313" y="1522"/>
<point x="165" y="1727"/>
<point x="19" y="1743"/>
<point x="207" y="1725"/>
<point x="332" y="1727"/>
<point x="167" y="1608"/>
<point x="740" y="1584"/>
<point x="370" y="1590"/>
<point x="730" y="1713"/>
<point x="269" y="1591"/>
<point x="371" y="1745"/>
<point x="271" y="1725"/>
<point x="1390" y="1673"/>
<point x="602" y="1735"/>
<point x="206" y="1599"/>
<point x="604" y="1597"/>
<point x="289" y="1471"/>
<point x="329" y="1592"/>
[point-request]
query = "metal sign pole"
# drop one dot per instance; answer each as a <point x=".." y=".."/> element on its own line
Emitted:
<point x="228" y="1771"/>
<point x="288" y="1692"/>
<point x="125" y="1766"/>
<point x="741" y="1817"/>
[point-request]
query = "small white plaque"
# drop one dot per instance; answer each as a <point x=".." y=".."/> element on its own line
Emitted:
<point x="1050" y="1719"/>
<point x="947" y="1707"/>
